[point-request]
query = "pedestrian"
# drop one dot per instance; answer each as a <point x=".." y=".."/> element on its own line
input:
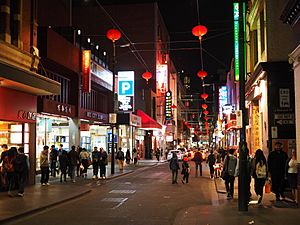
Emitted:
<point x="78" y="170"/>
<point x="259" y="173"/>
<point x="157" y="154"/>
<point x="53" y="160"/>
<point x="276" y="167"/>
<point x="127" y="156"/>
<point x="103" y="161"/>
<point x="231" y="168"/>
<point x="185" y="170"/>
<point x="44" y="165"/>
<point x="134" y="156"/>
<point x="292" y="174"/>
<point x="73" y="159"/>
<point x="211" y="160"/>
<point x="84" y="159"/>
<point x="120" y="158"/>
<point x="21" y="167"/>
<point x="95" y="162"/>
<point x="4" y="181"/>
<point x="198" y="162"/>
<point x="8" y="163"/>
<point x="63" y="165"/>
<point x="174" y="167"/>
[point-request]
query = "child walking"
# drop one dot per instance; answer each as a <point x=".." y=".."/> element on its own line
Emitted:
<point x="185" y="170"/>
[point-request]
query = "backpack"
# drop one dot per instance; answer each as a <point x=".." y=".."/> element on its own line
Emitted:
<point x="261" y="171"/>
<point x="20" y="163"/>
<point x="8" y="164"/>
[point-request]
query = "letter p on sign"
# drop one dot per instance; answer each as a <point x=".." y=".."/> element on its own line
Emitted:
<point x="126" y="88"/>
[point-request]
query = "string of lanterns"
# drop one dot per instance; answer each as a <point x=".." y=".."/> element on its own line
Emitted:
<point x="199" y="31"/>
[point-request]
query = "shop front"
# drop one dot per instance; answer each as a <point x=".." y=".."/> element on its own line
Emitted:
<point x="94" y="129"/>
<point x="54" y="126"/>
<point x="18" y="116"/>
<point x="129" y="134"/>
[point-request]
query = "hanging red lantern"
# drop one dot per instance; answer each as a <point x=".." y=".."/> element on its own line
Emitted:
<point x="202" y="74"/>
<point x="206" y="112"/>
<point x="204" y="96"/>
<point x="147" y="75"/>
<point x="204" y="106"/>
<point x="206" y="118"/>
<point x="199" y="31"/>
<point x="113" y="34"/>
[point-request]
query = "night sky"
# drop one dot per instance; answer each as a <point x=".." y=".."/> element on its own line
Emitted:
<point x="180" y="17"/>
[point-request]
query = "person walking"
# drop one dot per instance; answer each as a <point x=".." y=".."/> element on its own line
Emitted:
<point x="231" y="168"/>
<point x="276" y="167"/>
<point x="78" y="170"/>
<point x="259" y="173"/>
<point x="211" y="160"/>
<point x="198" y="162"/>
<point x="63" y="165"/>
<point x="53" y="160"/>
<point x="84" y="159"/>
<point x="21" y="166"/>
<point x="185" y="170"/>
<point x="134" y="156"/>
<point x="103" y="161"/>
<point x="174" y="167"/>
<point x="8" y="164"/>
<point x="292" y="174"/>
<point x="4" y="181"/>
<point x="120" y="158"/>
<point x="95" y="162"/>
<point x="127" y="156"/>
<point x="73" y="159"/>
<point x="157" y="154"/>
<point x="44" y="165"/>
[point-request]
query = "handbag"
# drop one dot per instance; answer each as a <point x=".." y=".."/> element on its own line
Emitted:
<point x="224" y="173"/>
<point x="268" y="186"/>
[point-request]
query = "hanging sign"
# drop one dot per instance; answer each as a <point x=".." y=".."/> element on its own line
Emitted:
<point x="168" y="109"/>
<point x="126" y="91"/>
<point x="86" y="71"/>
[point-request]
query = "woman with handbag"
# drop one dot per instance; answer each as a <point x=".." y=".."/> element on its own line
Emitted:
<point x="103" y="163"/>
<point x="259" y="173"/>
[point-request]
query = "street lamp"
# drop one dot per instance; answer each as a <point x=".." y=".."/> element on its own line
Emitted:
<point x="113" y="35"/>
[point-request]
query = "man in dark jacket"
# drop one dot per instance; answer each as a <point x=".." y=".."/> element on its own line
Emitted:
<point x="174" y="167"/>
<point x="198" y="162"/>
<point x="21" y="165"/>
<point x="73" y="161"/>
<point x="276" y="167"/>
<point x="53" y="160"/>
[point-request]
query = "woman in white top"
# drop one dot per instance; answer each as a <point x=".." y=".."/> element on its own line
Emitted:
<point x="292" y="173"/>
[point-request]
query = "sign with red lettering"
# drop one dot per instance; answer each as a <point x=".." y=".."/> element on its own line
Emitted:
<point x="86" y="71"/>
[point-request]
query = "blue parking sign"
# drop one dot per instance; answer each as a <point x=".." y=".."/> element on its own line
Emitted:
<point x="125" y="88"/>
<point x="109" y="139"/>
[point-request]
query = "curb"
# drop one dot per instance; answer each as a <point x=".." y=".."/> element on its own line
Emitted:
<point x="29" y="212"/>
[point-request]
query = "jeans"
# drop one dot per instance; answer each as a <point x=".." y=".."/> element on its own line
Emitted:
<point x="259" y="184"/>
<point x="95" y="168"/>
<point x="102" y="170"/>
<point x="21" y="178"/>
<point x="44" y="175"/>
<point x="72" y="171"/>
<point x="11" y="178"/>
<point x="211" y="170"/>
<point x="229" y="183"/>
<point x="198" y="164"/>
<point x="174" y="176"/>
<point x="53" y="168"/>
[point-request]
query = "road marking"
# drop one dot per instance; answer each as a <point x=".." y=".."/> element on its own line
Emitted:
<point x="122" y="191"/>
<point x="121" y="201"/>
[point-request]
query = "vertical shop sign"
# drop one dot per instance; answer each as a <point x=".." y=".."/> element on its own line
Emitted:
<point x="284" y="98"/>
<point x="86" y="71"/>
<point x="168" y="110"/>
<point x="256" y="127"/>
<point x="126" y="91"/>
<point x="236" y="39"/>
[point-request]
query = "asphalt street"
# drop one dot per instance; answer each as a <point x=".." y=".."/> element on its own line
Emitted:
<point x="147" y="197"/>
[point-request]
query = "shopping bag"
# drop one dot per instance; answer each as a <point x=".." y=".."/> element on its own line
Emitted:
<point x="268" y="186"/>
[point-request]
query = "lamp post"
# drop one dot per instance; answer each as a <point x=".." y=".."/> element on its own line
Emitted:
<point x="113" y="35"/>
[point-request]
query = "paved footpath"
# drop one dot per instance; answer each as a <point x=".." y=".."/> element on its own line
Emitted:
<point x="37" y="197"/>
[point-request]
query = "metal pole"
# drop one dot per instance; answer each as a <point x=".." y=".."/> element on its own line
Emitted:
<point x="243" y="188"/>
<point x="114" y="110"/>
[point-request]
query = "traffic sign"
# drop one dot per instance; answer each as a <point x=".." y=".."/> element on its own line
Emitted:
<point x="109" y="139"/>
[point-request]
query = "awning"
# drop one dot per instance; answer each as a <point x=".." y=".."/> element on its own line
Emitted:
<point x="148" y="122"/>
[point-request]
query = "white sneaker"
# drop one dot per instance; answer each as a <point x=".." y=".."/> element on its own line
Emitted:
<point x="94" y="177"/>
<point x="43" y="184"/>
<point x="47" y="184"/>
<point x="104" y="178"/>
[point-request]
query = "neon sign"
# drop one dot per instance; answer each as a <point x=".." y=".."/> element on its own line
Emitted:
<point x="86" y="71"/>
<point x="236" y="16"/>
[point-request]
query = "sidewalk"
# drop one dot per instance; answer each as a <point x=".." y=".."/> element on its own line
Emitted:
<point x="37" y="198"/>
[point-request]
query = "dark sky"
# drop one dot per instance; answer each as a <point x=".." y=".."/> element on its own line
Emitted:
<point x="180" y="17"/>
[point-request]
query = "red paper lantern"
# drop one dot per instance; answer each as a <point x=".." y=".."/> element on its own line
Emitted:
<point x="113" y="34"/>
<point x="204" y="106"/>
<point x="199" y="31"/>
<point x="202" y="74"/>
<point x="206" y="112"/>
<point x="206" y="118"/>
<point x="204" y="96"/>
<point x="147" y="75"/>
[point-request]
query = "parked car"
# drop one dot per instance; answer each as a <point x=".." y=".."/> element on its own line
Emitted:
<point x="178" y="153"/>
